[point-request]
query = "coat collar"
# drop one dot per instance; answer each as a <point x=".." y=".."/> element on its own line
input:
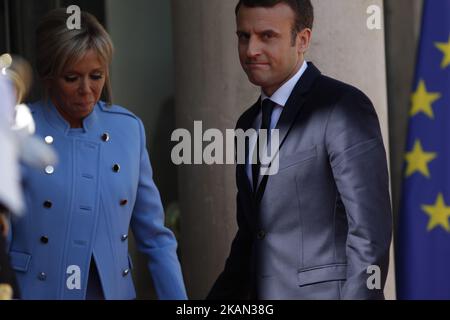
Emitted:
<point x="58" y="122"/>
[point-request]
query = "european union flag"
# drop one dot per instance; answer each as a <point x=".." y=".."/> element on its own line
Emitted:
<point x="423" y="251"/>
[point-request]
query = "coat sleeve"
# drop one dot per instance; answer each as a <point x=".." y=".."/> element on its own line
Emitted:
<point x="153" y="239"/>
<point x="358" y="160"/>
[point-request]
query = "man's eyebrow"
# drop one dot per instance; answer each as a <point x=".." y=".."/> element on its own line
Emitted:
<point x="268" y="31"/>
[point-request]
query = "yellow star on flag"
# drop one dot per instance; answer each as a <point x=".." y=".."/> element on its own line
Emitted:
<point x="422" y="100"/>
<point x="418" y="160"/>
<point x="445" y="48"/>
<point x="439" y="214"/>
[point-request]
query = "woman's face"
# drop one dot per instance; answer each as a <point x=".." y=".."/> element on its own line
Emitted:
<point x="79" y="88"/>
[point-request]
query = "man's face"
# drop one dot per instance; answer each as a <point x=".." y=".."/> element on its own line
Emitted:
<point x="266" y="50"/>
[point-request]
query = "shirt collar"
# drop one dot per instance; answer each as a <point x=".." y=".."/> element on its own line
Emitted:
<point x="281" y="96"/>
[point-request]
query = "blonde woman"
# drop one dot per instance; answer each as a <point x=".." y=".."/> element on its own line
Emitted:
<point x="73" y="241"/>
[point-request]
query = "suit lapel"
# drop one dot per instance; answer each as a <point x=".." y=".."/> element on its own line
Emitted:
<point x="296" y="101"/>
<point x="245" y="123"/>
<point x="288" y="116"/>
<point x="290" y="112"/>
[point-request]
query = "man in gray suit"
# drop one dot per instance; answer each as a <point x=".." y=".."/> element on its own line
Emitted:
<point x="321" y="227"/>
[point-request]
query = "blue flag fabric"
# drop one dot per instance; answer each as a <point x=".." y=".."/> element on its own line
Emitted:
<point x="423" y="248"/>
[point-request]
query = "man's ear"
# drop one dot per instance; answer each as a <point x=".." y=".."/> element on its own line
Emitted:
<point x="304" y="40"/>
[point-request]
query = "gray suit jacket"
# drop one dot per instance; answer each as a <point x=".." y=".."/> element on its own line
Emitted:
<point x="313" y="229"/>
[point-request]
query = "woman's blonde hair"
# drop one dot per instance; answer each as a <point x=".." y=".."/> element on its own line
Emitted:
<point x="59" y="46"/>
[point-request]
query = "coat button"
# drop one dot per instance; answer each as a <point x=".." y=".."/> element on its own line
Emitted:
<point x="116" y="168"/>
<point x="49" y="140"/>
<point x="105" y="137"/>
<point x="123" y="202"/>
<point x="124" y="237"/>
<point x="48" y="204"/>
<point x="49" y="169"/>
<point x="42" y="276"/>
<point x="125" y="272"/>
<point x="44" y="239"/>
<point x="261" y="235"/>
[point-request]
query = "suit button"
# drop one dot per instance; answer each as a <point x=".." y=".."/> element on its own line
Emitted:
<point x="49" y="169"/>
<point x="116" y="168"/>
<point x="123" y="202"/>
<point x="49" y="140"/>
<point x="125" y="272"/>
<point x="261" y="235"/>
<point x="44" y="239"/>
<point x="124" y="237"/>
<point x="48" y="204"/>
<point x="42" y="276"/>
<point x="105" y="137"/>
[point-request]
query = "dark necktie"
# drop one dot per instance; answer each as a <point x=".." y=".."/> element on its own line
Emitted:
<point x="267" y="110"/>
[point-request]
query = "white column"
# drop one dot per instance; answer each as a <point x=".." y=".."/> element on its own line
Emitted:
<point x="210" y="87"/>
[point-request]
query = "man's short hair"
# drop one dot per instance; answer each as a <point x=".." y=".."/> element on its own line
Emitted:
<point x="304" y="11"/>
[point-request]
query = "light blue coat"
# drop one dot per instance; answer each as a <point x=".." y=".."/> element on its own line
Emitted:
<point x="84" y="208"/>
